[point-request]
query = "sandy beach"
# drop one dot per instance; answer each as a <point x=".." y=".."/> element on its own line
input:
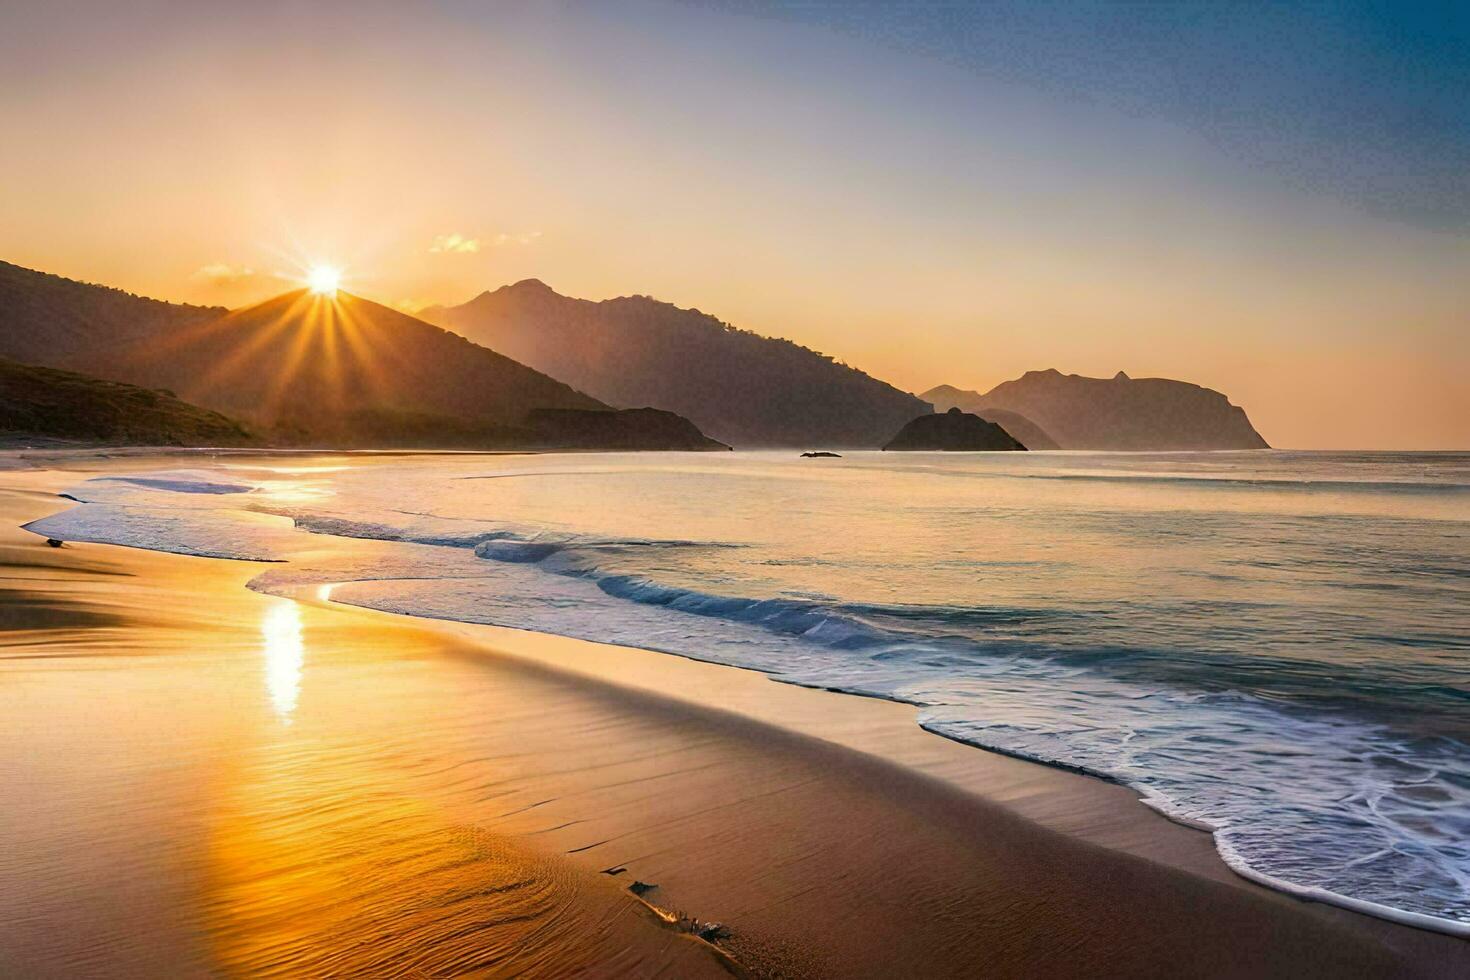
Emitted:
<point x="203" y="780"/>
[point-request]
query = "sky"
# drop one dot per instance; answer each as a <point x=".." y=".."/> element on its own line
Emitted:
<point x="1269" y="200"/>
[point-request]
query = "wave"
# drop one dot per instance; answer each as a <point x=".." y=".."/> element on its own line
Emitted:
<point x="828" y="623"/>
<point x="185" y="533"/>
<point x="1232" y="855"/>
<point x="943" y="635"/>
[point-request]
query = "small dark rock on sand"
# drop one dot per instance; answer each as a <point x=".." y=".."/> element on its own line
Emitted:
<point x="708" y="931"/>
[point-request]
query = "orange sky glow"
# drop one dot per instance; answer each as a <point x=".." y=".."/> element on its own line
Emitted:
<point x="896" y="212"/>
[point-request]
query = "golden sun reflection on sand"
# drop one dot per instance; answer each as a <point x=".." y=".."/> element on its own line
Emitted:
<point x="284" y="651"/>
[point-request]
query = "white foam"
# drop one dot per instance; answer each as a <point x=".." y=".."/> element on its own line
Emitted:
<point x="1420" y="921"/>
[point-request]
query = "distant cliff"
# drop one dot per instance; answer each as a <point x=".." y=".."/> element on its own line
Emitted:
<point x="1123" y="413"/>
<point x="1030" y="435"/>
<point x="46" y="402"/>
<point x="952" y="431"/>
<point x="737" y="386"/>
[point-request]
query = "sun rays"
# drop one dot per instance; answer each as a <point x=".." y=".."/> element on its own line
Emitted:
<point x="300" y="354"/>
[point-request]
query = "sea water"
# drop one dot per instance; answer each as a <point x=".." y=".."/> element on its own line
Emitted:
<point x="1271" y="645"/>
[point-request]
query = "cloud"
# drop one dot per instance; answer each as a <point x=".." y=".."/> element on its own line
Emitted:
<point x="461" y="244"/>
<point x="524" y="238"/>
<point x="223" y="274"/>
<point x="454" y="243"/>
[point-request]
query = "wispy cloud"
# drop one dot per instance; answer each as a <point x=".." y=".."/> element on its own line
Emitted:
<point x="448" y="244"/>
<point x="524" y="238"/>
<point x="223" y="274"/>
<point x="462" y="244"/>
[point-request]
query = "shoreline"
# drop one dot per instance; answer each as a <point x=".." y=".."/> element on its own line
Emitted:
<point x="1154" y="805"/>
<point x="875" y="743"/>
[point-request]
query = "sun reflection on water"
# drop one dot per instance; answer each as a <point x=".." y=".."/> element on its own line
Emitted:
<point x="289" y="492"/>
<point x="282" y="646"/>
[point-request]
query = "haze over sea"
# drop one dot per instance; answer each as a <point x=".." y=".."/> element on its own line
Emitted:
<point x="1270" y="644"/>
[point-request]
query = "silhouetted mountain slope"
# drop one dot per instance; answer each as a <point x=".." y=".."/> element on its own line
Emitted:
<point x="952" y="431"/>
<point x="737" y="386"/>
<point x="542" y="428"/>
<point x="45" y="401"/>
<point x="628" y="428"/>
<point x="1031" y="435"/>
<point x="1124" y="413"/>
<point x="308" y="370"/>
<point x="46" y="319"/>
<point x="300" y="356"/>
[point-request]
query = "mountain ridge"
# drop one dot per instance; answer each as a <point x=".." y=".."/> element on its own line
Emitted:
<point x="297" y="354"/>
<point x="738" y="386"/>
<point x="63" y="316"/>
<point x="308" y="369"/>
<point x="1123" y="413"/>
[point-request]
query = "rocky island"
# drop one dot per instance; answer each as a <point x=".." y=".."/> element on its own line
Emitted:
<point x="953" y="431"/>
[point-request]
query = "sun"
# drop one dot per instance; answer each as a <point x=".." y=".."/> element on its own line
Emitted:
<point x="324" y="280"/>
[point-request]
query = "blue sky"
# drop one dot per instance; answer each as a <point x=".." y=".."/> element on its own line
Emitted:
<point x="1366" y="101"/>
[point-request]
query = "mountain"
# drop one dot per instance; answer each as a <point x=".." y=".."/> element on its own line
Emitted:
<point x="1031" y="435"/>
<point x="46" y="319"/>
<point x="301" y="357"/>
<point x="952" y="431"/>
<point x="46" y="402"/>
<point x="311" y="370"/>
<point x="543" y="428"/>
<point x="628" y="428"/>
<point x="737" y="386"/>
<point x="1124" y="413"/>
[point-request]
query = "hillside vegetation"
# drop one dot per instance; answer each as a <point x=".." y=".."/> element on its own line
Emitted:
<point x="47" y="402"/>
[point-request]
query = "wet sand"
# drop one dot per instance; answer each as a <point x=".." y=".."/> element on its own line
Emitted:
<point x="202" y="780"/>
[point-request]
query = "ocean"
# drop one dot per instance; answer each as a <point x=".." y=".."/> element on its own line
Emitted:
<point x="1274" y="646"/>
